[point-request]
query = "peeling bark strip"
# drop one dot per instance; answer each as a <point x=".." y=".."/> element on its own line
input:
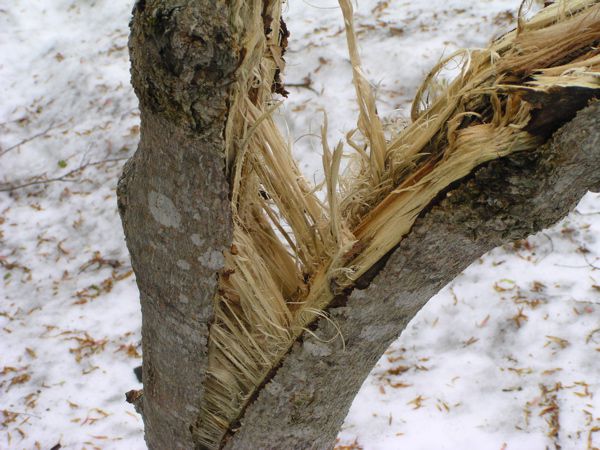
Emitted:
<point x="304" y="405"/>
<point x="173" y="200"/>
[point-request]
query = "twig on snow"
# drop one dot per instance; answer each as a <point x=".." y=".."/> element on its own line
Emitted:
<point x="8" y="187"/>
<point x="30" y="138"/>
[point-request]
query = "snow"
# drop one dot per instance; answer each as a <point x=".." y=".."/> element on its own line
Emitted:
<point x="505" y="357"/>
<point x="69" y="317"/>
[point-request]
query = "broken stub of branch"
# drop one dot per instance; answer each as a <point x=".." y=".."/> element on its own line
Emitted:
<point x="293" y="254"/>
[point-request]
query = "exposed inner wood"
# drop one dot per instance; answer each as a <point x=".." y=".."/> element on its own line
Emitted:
<point x="291" y="254"/>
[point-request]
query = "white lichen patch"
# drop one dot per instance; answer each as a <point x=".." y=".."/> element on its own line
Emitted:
<point x="197" y="240"/>
<point x="163" y="210"/>
<point x="317" y="348"/>
<point x="212" y="259"/>
<point x="183" y="265"/>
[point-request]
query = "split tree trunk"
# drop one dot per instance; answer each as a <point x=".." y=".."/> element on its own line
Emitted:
<point x="304" y="405"/>
<point x="173" y="199"/>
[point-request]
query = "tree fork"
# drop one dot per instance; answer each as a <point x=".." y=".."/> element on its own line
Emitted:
<point x="173" y="200"/>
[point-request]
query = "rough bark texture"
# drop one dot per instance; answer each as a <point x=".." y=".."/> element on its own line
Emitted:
<point x="173" y="200"/>
<point x="304" y="405"/>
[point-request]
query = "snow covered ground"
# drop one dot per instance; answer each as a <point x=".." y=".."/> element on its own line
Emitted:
<point x="506" y="357"/>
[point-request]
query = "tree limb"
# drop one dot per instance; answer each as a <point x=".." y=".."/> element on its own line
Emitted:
<point x="305" y="403"/>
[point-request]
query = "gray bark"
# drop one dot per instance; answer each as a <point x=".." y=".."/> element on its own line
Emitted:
<point x="173" y="200"/>
<point x="304" y="405"/>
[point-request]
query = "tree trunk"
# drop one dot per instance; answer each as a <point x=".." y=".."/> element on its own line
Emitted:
<point x="173" y="200"/>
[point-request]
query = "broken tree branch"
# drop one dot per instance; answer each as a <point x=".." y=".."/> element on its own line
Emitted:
<point x="305" y="403"/>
